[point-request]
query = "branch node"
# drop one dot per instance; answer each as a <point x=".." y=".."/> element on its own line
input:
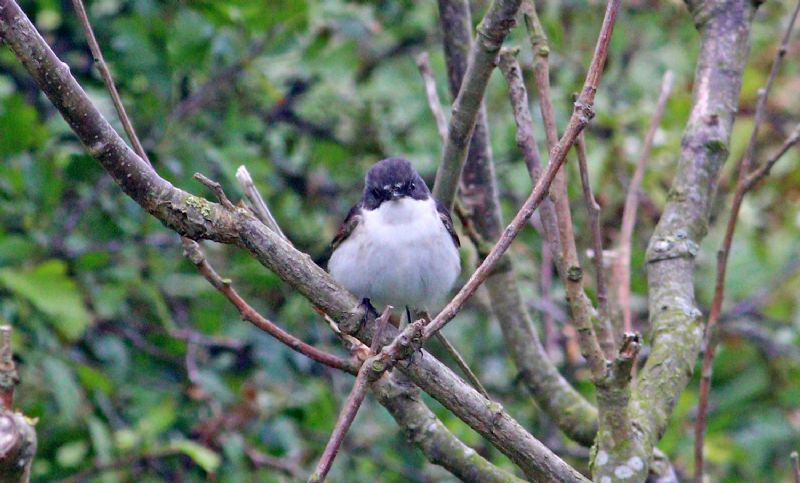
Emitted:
<point x="215" y="188"/>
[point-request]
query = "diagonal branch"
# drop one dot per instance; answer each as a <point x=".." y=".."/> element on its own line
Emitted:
<point x="196" y="256"/>
<point x="105" y="73"/>
<point x="593" y="214"/>
<point x="742" y="187"/>
<point x="371" y="369"/>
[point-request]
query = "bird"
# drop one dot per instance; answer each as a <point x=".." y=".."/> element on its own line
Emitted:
<point x="397" y="246"/>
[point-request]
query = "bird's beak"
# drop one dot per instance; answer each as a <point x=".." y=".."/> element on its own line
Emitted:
<point x="397" y="194"/>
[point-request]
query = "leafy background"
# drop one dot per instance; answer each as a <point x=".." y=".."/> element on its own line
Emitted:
<point x="130" y="359"/>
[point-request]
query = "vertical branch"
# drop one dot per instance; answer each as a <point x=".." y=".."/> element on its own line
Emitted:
<point x="17" y="435"/>
<point x="795" y="466"/>
<point x="593" y="213"/>
<point x="492" y="31"/>
<point x="622" y="266"/>
<point x="742" y="187"/>
<point x="424" y="65"/>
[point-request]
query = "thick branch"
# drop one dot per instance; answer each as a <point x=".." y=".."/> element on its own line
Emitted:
<point x="492" y="31"/>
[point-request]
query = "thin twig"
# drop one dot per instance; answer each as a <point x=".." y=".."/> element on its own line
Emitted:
<point x="433" y="97"/>
<point x="372" y="367"/>
<point x="195" y="255"/>
<point x="215" y="188"/>
<point x="593" y="212"/>
<point x="622" y="266"/>
<point x="105" y="73"/>
<point x="742" y="187"/>
<point x="260" y="207"/>
<point x="462" y="364"/>
<point x="795" y="466"/>
<point x="759" y="173"/>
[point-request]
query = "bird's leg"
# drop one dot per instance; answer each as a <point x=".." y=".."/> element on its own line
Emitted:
<point x="369" y="311"/>
<point x="408" y="315"/>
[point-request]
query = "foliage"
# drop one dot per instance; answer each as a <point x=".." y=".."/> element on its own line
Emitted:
<point x="127" y="354"/>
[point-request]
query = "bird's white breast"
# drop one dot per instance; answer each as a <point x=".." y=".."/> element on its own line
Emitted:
<point x="400" y="254"/>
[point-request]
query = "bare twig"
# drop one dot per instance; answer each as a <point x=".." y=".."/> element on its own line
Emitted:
<point x="622" y="265"/>
<point x="593" y="212"/>
<point x="372" y="368"/>
<point x="462" y="364"/>
<point x="100" y="62"/>
<point x="759" y="173"/>
<point x="215" y="188"/>
<point x="433" y="97"/>
<point x="742" y="187"/>
<point x="795" y="466"/>
<point x="196" y="256"/>
<point x="260" y="207"/>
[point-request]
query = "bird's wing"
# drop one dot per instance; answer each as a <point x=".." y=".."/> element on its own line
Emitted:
<point x="349" y="224"/>
<point x="447" y="221"/>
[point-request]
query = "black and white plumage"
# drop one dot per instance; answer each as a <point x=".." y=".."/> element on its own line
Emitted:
<point x="397" y="246"/>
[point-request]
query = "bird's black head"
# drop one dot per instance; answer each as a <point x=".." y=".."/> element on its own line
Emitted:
<point x="392" y="179"/>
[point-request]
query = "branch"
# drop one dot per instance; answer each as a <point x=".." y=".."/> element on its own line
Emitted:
<point x="424" y="65"/>
<point x="105" y="73"/>
<point x="593" y="212"/>
<point x="526" y="142"/>
<point x="622" y="265"/>
<point x="260" y="207"/>
<point x="426" y="431"/>
<point x="795" y="466"/>
<point x="759" y="173"/>
<point x="195" y="255"/>
<point x="742" y="187"/>
<point x="492" y="31"/>
<point x="580" y="118"/>
<point x="371" y="369"/>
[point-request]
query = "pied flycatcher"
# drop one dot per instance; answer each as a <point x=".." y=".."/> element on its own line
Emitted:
<point x="397" y="246"/>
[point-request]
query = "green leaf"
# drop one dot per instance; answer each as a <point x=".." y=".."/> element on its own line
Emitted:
<point x="48" y="288"/>
<point x="204" y="457"/>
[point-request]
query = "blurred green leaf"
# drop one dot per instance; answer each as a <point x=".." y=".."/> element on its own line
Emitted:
<point x="48" y="288"/>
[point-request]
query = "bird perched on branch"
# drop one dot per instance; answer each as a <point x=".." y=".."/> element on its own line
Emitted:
<point x="397" y="246"/>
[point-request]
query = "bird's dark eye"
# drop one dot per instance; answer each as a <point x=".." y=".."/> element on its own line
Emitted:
<point x="411" y="186"/>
